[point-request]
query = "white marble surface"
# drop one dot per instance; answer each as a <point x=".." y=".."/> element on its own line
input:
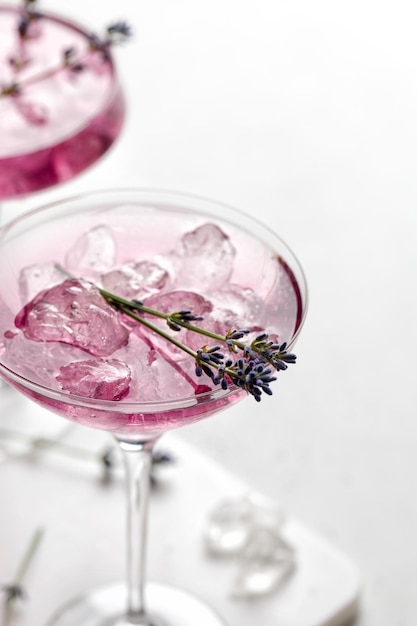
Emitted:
<point x="83" y="543"/>
<point x="305" y="115"/>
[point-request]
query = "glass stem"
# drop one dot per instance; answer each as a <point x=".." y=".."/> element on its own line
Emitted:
<point x="137" y="459"/>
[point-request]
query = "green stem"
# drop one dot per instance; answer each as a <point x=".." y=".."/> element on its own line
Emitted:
<point x="168" y="337"/>
<point x="128" y="305"/>
<point x="37" y="78"/>
<point x="43" y="444"/>
<point x="157" y="330"/>
<point x="22" y="569"/>
<point x="255" y="381"/>
<point x="28" y="556"/>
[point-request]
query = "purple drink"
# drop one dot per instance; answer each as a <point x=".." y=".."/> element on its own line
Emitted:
<point x="61" y="119"/>
<point x="71" y="351"/>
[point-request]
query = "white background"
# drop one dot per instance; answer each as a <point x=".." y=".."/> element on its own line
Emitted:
<point x="305" y="115"/>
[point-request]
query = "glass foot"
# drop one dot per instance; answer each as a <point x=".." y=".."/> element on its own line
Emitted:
<point x="165" y="606"/>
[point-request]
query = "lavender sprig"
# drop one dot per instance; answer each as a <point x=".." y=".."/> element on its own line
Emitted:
<point x="72" y="60"/>
<point x="252" y="371"/>
<point x="116" y="33"/>
<point x="105" y="458"/>
<point x="28" y="16"/>
<point x="14" y="591"/>
<point x="254" y="368"/>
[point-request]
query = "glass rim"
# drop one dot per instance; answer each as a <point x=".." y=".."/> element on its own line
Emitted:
<point x="140" y="196"/>
<point x="113" y="88"/>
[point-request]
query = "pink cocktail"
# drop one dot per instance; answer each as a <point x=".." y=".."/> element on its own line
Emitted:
<point x="68" y="345"/>
<point x="61" y="106"/>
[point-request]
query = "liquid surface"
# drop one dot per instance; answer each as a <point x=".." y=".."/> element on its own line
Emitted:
<point x="60" y="122"/>
<point x="170" y="261"/>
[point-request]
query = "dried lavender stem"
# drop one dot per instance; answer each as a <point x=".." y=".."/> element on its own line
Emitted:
<point x="21" y="571"/>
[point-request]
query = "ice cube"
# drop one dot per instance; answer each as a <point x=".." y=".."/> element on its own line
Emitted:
<point x="105" y="380"/>
<point x="35" y="113"/>
<point x="35" y="278"/>
<point x="171" y="302"/>
<point x="232" y="522"/>
<point x="229" y="527"/>
<point x="206" y="257"/>
<point x="235" y="308"/>
<point x="266" y="562"/>
<point x="179" y="300"/>
<point x="170" y="379"/>
<point x="156" y="375"/>
<point x="38" y="363"/>
<point x="136" y="280"/>
<point x="74" y="312"/>
<point x="241" y="305"/>
<point x="93" y="252"/>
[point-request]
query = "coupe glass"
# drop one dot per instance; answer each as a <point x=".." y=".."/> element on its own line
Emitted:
<point x="61" y="119"/>
<point x="218" y="255"/>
